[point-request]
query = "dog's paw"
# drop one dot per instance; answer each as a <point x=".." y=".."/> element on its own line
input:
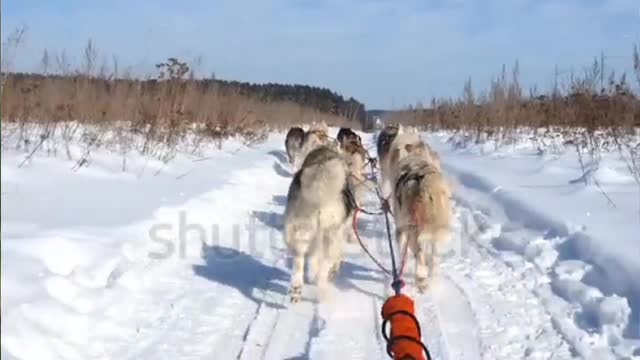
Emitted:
<point x="422" y="284"/>
<point x="333" y="272"/>
<point x="295" y="294"/>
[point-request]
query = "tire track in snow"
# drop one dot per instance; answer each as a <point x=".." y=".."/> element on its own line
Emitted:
<point x="346" y="326"/>
<point x="352" y="317"/>
<point x="455" y="320"/>
<point x="432" y="333"/>
<point x="266" y="336"/>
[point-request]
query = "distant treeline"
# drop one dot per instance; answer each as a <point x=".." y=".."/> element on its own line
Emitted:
<point x="317" y="98"/>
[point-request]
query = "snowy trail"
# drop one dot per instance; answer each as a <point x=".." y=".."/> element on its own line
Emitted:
<point x="457" y="319"/>
<point x="502" y="292"/>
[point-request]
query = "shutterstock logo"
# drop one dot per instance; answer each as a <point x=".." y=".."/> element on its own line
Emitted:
<point x="186" y="239"/>
<point x="261" y="236"/>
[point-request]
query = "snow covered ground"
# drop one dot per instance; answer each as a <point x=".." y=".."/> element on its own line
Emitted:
<point x="185" y="260"/>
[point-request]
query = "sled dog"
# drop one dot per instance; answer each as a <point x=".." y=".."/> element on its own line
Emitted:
<point x="356" y="157"/>
<point x="346" y="135"/>
<point x="293" y="143"/>
<point x="422" y="211"/>
<point x="316" y="136"/>
<point x="393" y="146"/>
<point x="383" y="146"/>
<point x="317" y="216"/>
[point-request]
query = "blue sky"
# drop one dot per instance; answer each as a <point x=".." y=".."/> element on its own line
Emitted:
<point x="382" y="52"/>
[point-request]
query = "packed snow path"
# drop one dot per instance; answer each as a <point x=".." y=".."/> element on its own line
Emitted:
<point x="118" y="269"/>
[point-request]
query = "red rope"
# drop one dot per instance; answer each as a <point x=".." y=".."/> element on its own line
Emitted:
<point x="404" y="258"/>
<point x="386" y="208"/>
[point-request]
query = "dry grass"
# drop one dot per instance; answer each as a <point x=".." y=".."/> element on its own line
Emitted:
<point x="154" y="107"/>
<point x="165" y="110"/>
<point x="154" y="117"/>
<point x="504" y="109"/>
<point x="591" y="114"/>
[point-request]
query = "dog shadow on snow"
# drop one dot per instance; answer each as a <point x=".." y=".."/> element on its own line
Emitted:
<point x="280" y="155"/>
<point x="281" y="166"/>
<point x="269" y="218"/>
<point x="243" y="272"/>
<point x="272" y="219"/>
<point x="351" y="273"/>
<point x="281" y="170"/>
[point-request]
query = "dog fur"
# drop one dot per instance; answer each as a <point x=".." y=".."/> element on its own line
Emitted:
<point x="316" y="136"/>
<point x="422" y="210"/>
<point x="293" y="143"/>
<point x="383" y="146"/>
<point x="346" y="135"/>
<point x="356" y="158"/>
<point x="317" y="216"/>
<point x="410" y="143"/>
<point x="385" y="138"/>
<point x="403" y="143"/>
<point x="320" y="126"/>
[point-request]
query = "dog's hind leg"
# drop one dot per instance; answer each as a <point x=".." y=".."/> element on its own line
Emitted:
<point x="421" y="251"/>
<point x="314" y="265"/>
<point x="404" y="241"/>
<point x="336" y="254"/>
<point x="330" y="260"/>
<point x="323" y="278"/>
<point x="297" y="277"/>
<point x="299" y="247"/>
<point x="439" y="238"/>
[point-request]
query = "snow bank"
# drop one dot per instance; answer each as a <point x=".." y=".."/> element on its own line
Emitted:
<point x="78" y="281"/>
<point x="583" y="239"/>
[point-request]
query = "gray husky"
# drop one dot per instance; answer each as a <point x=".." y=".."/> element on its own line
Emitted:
<point x="293" y="143"/>
<point x="385" y="138"/>
<point x="383" y="145"/>
<point x="319" y="206"/>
